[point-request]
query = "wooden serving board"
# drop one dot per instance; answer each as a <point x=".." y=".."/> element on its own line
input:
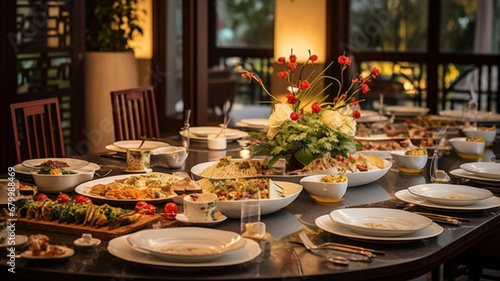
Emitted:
<point x="79" y="229"/>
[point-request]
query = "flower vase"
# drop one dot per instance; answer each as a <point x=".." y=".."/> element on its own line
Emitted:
<point x="293" y="164"/>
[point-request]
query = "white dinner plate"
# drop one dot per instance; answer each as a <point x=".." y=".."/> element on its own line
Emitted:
<point x="72" y="163"/>
<point x="84" y="189"/>
<point x="205" y="131"/>
<point x="483" y="169"/>
<point x="485" y="204"/>
<point x="481" y="115"/>
<point x="327" y="224"/>
<point x="402" y="110"/>
<point x="187" y="244"/>
<point x="128" y="144"/>
<point x="378" y="137"/>
<point x="379" y="221"/>
<point x="231" y="135"/>
<point x="68" y="252"/>
<point x="354" y="179"/>
<point x="254" y="123"/>
<point x="219" y="217"/>
<point x="474" y="177"/>
<point x="120" y="248"/>
<point x="450" y="194"/>
<point x="19" y="241"/>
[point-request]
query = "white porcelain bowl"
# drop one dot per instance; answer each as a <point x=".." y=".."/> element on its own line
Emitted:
<point x="232" y="209"/>
<point x="324" y="192"/>
<point x="468" y="149"/>
<point x="64" y="183"/>
<point x="474" y="132"/>
<point x="409" y="163"/>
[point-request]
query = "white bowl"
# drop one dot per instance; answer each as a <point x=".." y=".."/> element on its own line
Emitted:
<point x="449" y="194"/>
<point x="64" y="183"/>
<point x="172" y="156"/>
<point x="474" y="132"/>
<point x="324" y="192"/>
<point x="232" y="209"/>
<point x="380" y="221"/>
<point x="409" y="163"/>
<point x="361" y="178"/>
<point x="468" y="149"/>
<point x="186" y="244"/>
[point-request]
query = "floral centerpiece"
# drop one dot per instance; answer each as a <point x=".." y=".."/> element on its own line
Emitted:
<point x="301" y="131"/>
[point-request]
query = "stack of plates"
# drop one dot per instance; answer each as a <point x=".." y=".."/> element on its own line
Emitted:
<point x="122" y="146"/>
<point x="481" y="172"/>
<point x="184" y="247"/>
<point x="482" y="116"/>
<point x="400" y="110"/>
<point x="449" y="196"/>
<point x="379" y="224"/>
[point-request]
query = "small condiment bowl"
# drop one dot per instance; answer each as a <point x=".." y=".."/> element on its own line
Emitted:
<point x="87" y="242"/>
<point x="475" y="132"/>
<point x="468" y="149"/>
<point x="324" y="192"/>
<point x="412" y="164"/>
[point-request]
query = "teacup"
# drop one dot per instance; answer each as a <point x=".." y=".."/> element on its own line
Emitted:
<point x="200" y="207"/>
<point x="173" y="156"/>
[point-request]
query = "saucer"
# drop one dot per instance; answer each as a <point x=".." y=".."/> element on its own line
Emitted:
<point x="81" y="245"/>
<point x="219" y="217"/>
<point x="136" y="171"/>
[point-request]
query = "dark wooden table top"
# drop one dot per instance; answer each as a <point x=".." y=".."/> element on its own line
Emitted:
<point x="281" y="258"/>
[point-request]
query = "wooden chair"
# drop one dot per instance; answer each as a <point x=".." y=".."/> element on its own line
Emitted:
<point x="221" y="88"/>
<point x="37" y="129"/>
<point x="134" y="114"/>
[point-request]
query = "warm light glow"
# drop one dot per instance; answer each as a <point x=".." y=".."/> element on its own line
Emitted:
<point x="245" y="154"/>
<point x="301" y="26"/>
<point x="143" y="45"/>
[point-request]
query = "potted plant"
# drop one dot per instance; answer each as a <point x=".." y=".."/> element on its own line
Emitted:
<point x="109" y="63"/>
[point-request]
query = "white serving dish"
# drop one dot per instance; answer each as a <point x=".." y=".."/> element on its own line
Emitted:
<point x="467" y="149"/>
<point x="231" y="134"/>
<point x="324" y="191"/>
<point x="72" y="163"/>
<point x="187" y="244"/>
<point x="172" y="156"/>
<point x="204" y="131"/>
<point x="474" y="132"/>
<point x="64" y="183"/>
<point x="380" y="221"/>
<point x="325" y="222"/>
<point x="409" y="163"/>
<point x="483" y="169"/>
<point x="120" y="248"/>
<point x="232" y="209"/>
<point x="450" y="194"/>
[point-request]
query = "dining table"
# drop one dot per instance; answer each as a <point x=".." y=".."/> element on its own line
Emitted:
<point x="282" y="255"/>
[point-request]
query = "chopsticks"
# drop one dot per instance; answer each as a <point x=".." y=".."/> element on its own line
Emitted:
<point x="456" y="221"/>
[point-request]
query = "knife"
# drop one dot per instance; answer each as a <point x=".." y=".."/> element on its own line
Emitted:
<point x="441" y="216"/>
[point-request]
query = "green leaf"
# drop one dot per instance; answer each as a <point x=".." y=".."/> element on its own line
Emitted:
<point x="304" y="156"/>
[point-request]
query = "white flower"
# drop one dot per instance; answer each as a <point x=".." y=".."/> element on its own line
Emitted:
<point x="278" y="117"/>
<point x="340" y="120"/>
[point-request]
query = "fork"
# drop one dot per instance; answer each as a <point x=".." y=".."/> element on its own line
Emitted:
<point x="333" y="246"/>
<point x="335" y="259"/>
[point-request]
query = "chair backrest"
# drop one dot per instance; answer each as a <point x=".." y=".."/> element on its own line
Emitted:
<point x="37" y="129"/>
<point x="134" y="114"/>
<point x="220" y="91"/>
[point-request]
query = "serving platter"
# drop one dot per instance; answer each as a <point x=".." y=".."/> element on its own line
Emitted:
<point x="130" y="144"/>
<point x="85" y="188"/>
<point x="450" y="194"/>
<point x="354" y="179"/>
<point x="485" y="204"/>
<point x="379" y="221"/>
<point x="120" y="248"/>
<point x="327" y="224"/>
